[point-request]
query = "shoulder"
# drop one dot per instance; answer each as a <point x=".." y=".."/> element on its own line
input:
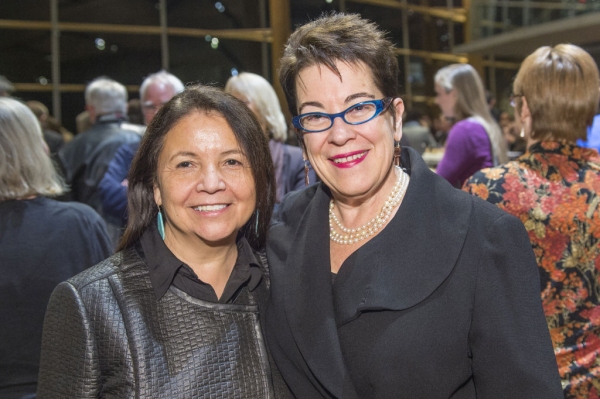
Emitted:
<point x="101" y="271"/>
<point x="294" y="203"/>
<point x="74" y="211"/>
<point x="467" y="127"/>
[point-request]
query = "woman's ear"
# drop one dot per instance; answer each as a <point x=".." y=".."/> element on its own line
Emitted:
<point x="157" y="196"/>
<point x="398" y="105"/>
<point x="525" y="112"/>
<point x="525" y="116"/>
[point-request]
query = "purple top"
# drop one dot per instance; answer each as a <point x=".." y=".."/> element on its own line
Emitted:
<point x="468" y="149"/>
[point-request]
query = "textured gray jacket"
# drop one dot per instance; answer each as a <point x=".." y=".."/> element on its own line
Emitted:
<point x="106" y="335"/>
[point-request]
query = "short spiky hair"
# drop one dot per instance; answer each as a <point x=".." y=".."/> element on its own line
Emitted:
<point x="339" y="37"/>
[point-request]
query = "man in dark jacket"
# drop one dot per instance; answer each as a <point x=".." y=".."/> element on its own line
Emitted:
<point x="85" y="159"/>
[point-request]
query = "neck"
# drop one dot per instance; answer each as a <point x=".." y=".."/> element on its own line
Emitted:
<point x="354" y="212"/>
<point x="211" y="263"/>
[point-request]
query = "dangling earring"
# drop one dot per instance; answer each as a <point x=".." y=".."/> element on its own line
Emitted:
<point x="397" y="150"/>
<point x="306" y="179"/>
<point x="160" y="224"/>
<point x="522" y="134"/>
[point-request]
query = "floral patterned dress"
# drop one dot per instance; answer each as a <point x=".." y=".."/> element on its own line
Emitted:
<point x="554" y="189"/>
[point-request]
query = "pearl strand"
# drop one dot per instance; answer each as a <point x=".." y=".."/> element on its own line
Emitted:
<point x="350" y="236"/>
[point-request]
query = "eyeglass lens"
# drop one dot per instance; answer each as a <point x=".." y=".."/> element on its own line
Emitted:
<point x="356" y="114"/>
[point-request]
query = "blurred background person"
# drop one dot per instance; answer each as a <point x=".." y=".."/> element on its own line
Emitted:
<point x="258" y="94"/>
<point x="475" y="140"/>
<point x="490" y="99"/>
<point x="593" y="135"/>
<point x="441" y="127"/>
<point x="184" y="320"/>
<point x="6" y="87"/>
<point x="156" y="90"/>
<point x="134" y="112"/>
<point x="54" y="139"/>
<point x="83" y="122"/>
<point x="417" y="131"/>
<point x="85" y="159"/>
<point x="554" y="189"/>
<point x="42" y="242"/>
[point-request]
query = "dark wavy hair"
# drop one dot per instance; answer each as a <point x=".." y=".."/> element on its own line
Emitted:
<point x="142" y="208"/>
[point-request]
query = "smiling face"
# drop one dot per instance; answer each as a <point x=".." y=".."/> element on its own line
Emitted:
<point x="446" y="101"/>
<point x="204" y="183"/>
<point x="354" y="161"/>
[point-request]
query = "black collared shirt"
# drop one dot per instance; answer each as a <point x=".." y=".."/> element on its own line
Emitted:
<point x="165" y="269"/>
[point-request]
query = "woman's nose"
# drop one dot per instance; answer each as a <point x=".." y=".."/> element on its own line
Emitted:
<point x="340" y="132"/>
<point x="210" y="180"/>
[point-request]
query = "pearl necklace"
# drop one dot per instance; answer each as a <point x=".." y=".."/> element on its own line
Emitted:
<point x="350" y="236"/>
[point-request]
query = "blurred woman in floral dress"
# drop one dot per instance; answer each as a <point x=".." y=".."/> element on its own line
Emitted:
<point x="554" y="188"/>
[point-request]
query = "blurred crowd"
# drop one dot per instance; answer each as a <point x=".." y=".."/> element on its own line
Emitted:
<point x="64" y="195"/>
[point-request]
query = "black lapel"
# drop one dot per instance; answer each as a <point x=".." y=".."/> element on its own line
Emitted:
<point x="415" y="252"/>
<point x="308" y="297"/>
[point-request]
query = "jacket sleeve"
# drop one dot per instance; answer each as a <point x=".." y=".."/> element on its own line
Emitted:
<point x="69" y="366"/>
<point x="511" y="350"/>
<point x="112" y="190"/>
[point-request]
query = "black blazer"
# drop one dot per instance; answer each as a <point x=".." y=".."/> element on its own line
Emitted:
<point x="443" y="303"/>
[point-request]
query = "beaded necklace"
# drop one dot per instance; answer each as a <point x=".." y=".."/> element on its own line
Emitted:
<point x="350" y="236"/>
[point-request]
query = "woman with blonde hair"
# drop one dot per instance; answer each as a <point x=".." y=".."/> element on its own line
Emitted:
<point x="475" y="141"/>
<point x="42" y="241"/>
<point x="554" y="188"/>
<point x="258" y="95"/>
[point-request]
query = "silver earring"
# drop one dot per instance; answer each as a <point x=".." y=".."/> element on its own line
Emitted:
<point x="522" y="134"/>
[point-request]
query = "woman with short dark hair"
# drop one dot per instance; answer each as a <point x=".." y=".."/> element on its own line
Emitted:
<point x="175" y="313"/>
<point x="387" y="282"/>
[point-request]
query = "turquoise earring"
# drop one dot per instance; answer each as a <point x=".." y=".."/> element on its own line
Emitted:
<point x="161" y="224"/>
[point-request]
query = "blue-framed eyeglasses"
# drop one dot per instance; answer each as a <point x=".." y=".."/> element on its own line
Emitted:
<point x="315" y="122"/>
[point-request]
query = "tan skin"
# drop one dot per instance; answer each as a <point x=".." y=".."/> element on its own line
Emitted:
<point x="355" y="162"/>
<point x="206" y="191"/>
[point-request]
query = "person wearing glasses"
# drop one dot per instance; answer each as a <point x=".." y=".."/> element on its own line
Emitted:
<point x="554" y="188"/>
<point x="386" y="281"/>
<point x="475" y="140"/>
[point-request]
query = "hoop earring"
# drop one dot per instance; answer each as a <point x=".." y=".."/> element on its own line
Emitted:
<point x="306" y="179"/>
<point x="397" y="149"/>
<point x="160" y="224"/>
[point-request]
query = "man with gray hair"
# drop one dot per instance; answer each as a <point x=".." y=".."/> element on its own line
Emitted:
<point x="156" y="90"/>
<point x="84" y="160"/>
